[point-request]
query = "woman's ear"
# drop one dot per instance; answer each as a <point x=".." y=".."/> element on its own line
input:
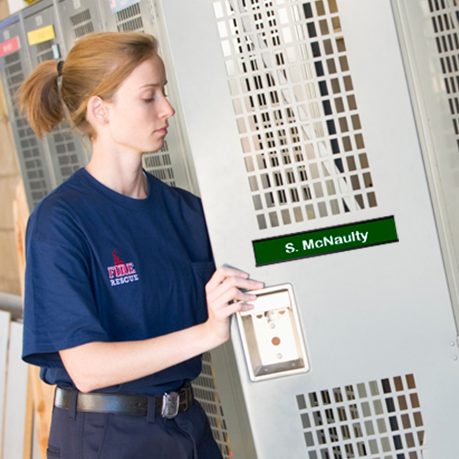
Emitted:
<point x="97" y="111"/>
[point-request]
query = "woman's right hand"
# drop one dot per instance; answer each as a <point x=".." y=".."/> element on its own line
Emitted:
<point x="96" y="365"/>
<point x="225" y="296"/>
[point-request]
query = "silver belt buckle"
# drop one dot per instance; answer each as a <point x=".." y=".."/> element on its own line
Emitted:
<point x="170" y="408"/>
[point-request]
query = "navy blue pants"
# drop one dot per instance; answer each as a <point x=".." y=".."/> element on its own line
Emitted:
<point x="78" y="435"/>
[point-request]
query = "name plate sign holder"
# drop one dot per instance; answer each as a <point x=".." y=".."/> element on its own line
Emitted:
<point x="325" y="241"/>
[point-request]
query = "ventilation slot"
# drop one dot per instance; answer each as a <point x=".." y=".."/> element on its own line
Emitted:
<point x="378" y="420"/>
<point x="44" y="51"/>
<point x="82" y="24"/>
<point x="130" y="19"/>
<point x="159" y="164"/>
<point x="65" y="149"/>
<point x="79" y="18"/>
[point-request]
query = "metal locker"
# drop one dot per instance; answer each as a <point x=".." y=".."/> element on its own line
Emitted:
<point x="428" y="32"/>
<point x="308" y="154"/>
<point x="32" y="154"/>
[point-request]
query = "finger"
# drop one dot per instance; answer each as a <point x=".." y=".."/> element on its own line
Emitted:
<point x="230" y="284"/>
<point x="238" y="306"/>
<point x="228" y="295"/>
<point x="238" y="282"/>
<point x="245" y="306"/>
<point x="222" y="273"/>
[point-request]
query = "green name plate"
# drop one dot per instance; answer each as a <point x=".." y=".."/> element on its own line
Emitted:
<point x="324" y="241"/>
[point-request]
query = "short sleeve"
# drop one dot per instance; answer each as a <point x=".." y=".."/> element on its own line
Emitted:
<point x="60" y="311"/>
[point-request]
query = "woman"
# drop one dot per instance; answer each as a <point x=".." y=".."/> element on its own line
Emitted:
<point x="115" y="312"/>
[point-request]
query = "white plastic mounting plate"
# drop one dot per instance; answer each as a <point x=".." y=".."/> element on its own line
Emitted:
<point x="271" y="334"/>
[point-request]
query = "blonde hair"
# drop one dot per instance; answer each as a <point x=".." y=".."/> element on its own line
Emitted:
<point x="96" y="65"/>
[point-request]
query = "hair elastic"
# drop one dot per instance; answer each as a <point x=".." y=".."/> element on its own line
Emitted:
<point x="60" y="64"/>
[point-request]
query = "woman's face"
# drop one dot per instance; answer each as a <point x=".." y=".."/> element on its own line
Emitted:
<point x="138" y="115"/>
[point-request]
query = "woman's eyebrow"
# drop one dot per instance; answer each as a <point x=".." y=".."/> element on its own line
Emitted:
<point x="154" y="85"/>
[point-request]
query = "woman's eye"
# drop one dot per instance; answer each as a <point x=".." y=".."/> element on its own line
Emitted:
<point x="162" y="93"/>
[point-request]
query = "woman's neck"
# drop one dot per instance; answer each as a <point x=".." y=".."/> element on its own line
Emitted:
<point x="121" y="172"/>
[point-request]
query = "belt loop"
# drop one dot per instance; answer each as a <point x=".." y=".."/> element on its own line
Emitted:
<point x="151" y="409"/>
<point x="73" y="404"/>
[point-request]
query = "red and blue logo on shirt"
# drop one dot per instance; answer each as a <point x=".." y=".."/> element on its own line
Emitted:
<point x="121" y="273"/>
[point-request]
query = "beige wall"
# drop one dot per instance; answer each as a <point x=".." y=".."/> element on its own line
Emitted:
<point x="9" y="179"/>
<point x="4" y="10"/>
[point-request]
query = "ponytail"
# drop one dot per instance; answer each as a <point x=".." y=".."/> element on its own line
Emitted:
<point x="38" y="97"/>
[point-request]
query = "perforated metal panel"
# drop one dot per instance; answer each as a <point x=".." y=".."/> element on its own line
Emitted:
<point x="205" y="391"/>
<point x="378" y="419"/>
<point x="159" y="164"/>
<point x="296" y="110"/>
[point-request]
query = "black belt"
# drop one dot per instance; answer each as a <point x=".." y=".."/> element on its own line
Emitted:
<point x="168" y="405"/>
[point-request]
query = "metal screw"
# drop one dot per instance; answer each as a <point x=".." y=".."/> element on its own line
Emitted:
<point x="279" y="356"/>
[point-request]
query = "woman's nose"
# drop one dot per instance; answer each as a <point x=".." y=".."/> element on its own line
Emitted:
<point x="167" y="110"/>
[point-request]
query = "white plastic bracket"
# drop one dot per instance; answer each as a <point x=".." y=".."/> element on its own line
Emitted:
<point x="271" y="334"/>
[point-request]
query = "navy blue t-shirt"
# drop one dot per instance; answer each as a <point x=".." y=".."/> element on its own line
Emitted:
<point x="105" y="267"/>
